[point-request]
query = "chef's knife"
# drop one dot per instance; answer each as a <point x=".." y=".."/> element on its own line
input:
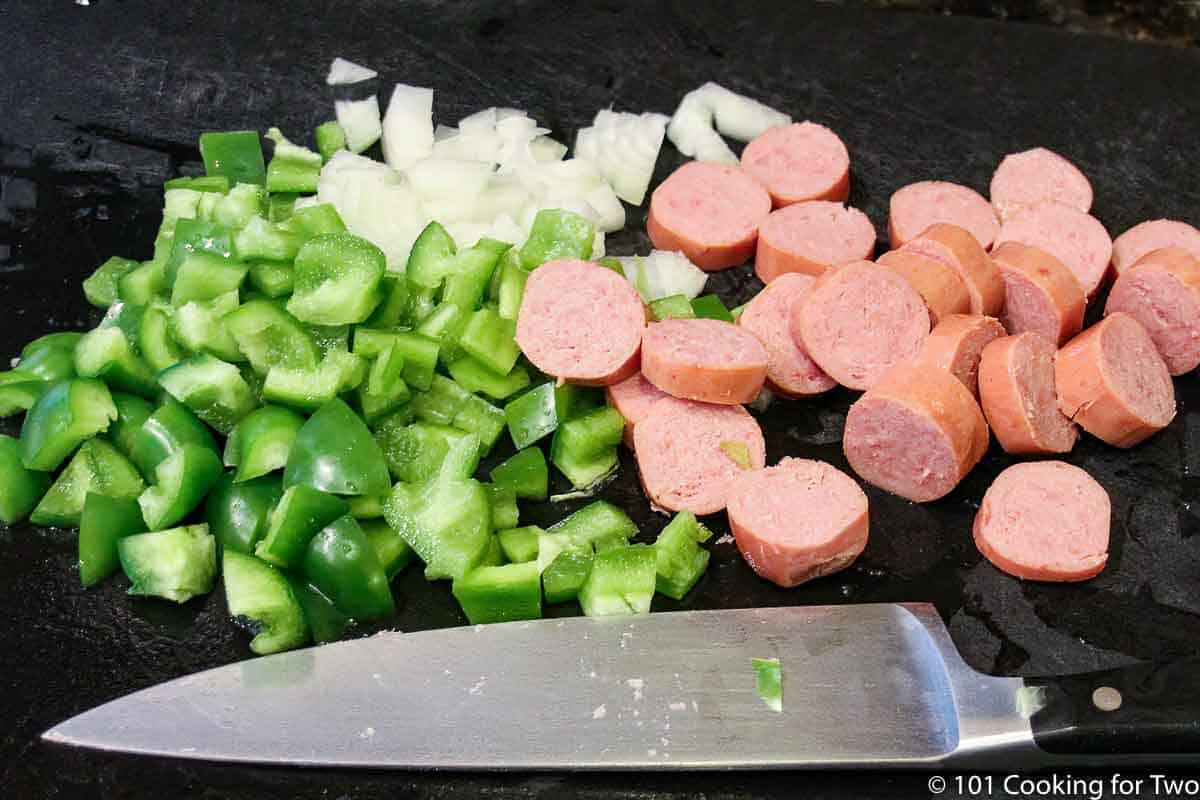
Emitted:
<point x="863" y="685"/>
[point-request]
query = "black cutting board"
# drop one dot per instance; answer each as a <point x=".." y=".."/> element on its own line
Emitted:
<point x="100" y="103"/>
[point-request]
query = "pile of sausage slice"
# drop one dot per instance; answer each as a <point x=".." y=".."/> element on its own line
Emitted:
<point x="971" y="325"/>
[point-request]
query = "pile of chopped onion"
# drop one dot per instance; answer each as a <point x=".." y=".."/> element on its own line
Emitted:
<point x="692" y="127"/>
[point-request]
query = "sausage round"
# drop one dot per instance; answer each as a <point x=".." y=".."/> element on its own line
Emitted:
<point x="916" y="433"/>
<point x="1016" y="390"/>
<point x="957" y="248"/>
<point x="859" y="321"/>
<point x="633" y="398"/>
<point x="956" y="344"/>
<point x="581" y="322"/>
<point x="798" y="520"/>
<point x="790" y="370"/>
<point x="1076" y="239"/>
<point x="799" y="162"/>
<point x="812" y="237"/>
<point x="1038" y="176"/>
<point x="1040" y="294"/>
<point x="680" y="457"/>
<point x="705" y="360"/>
<point x="940" y="287"/>
<point x="915" y="207"/>
<point x="709" y="211"/>
<point x="1130" y="246"/>
<point x="1045" y="521"/>
<point x="1113" y="383"/>
<point x="1162" y="292"/>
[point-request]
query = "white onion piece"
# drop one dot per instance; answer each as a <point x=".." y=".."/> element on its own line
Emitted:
<point x="438" y="177"/>
<point x="691" y="129"/>
<point x="544" y="149"/>
<point x="609" y="214"/>
<point x="343" y="72"/>
<point x="663" y="273"/>
<point x="375" y="202"/>
<point x="505" y="229"/>
<point x="408" y="126"/>
<point x="480" y="122"/>
<point x="624" y="148"/>
<point x="740" y="117"/>
<point x="466" y="234"/>
<point x="504" y="195"/>
<point x="360" y="121"/>
<point x="441" y="132"/>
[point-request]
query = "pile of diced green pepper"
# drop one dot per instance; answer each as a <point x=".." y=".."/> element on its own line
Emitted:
<point x="354" y="404"/>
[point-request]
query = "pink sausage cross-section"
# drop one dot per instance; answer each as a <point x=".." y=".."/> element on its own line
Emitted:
<point x="799" y="162"/>
<point x="1016" y="390"/>
<point x="1076" y="239"/>
<point x="812" y="237"/>
<point x="633" y="398"/>
<point x="915" y="207"/>
<point x="1162" y="292"/>
<point x="790" y="370"/>
<point x="705" y="360"/>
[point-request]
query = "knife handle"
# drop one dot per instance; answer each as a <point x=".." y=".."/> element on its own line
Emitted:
<point x="1144" y="708"/>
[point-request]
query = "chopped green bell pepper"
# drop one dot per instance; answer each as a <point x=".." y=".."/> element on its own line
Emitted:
<point x="261" y="442"/>
<point x="393" y="552"/>
<point x="299" y="514"/>
<point x="571" y="401"/>
<point x="500" y="594"/>
<point x="259" y="594"/>
<point x="204" y="276"/>
<point x="503" y="502"/>
<point x="214" y="389"/>
<point x="132" y="413"/>
<point x="263" y="240"/>
<point x="51" y="357"/>
<point x="238" y="513"/>
<point x="677" y="306"/>
<point x="491" y="339"/>
<point x="520" y="544"/>
<point x="470" y="274"/>
<point x="431" y="258"/>
<point x="325" y="622"/>
<point x="585" y="447"/>
<point x="144" y="284"/>
<point x="176" y="564"/>
<point x="337" y="279"/>
<point x="195" y="236"/>
<point x="105" y="522"/>
<point x="157" y="342"/>
<point x="171" y="426"/>
<point x="525" y="473"/>
<point x="445" y="521"/>
<point x="272" y="278"/>
<point x="200" y="327"/>
<point x="181" y="482"/>
<point x="66" y="415"/>
<point x="557" y="234"/>
<point x="106" y="353"/>
<point x="709" y="306"/>
<point x="341" y="562"/>
<point x="309" y="389"/>
<point x="531" y="416"/>
<point x="422" y="451"/>
<point x="367" y="506"/>
<point x="96" y="467"/>
<point x="235" y="154"/>
<point x="621" y="582"/>
<point x="393" y="309"/>
<point x="19" y="390"/>
<point x="768" y="682"/>
<point x="335" y="452"/>
<point x="271" y="337"/>
<point x="481" y="418"/>
<point x="596" y="521"/>
<point x="100" y="288"/>
<point x="680" y="559"/>
<point x="20" y="488"/>
<point x="293" y="168"/>
<point x="200" y="183"/>
<point x="441" y="404"/>
<point x="420" y="353"/>
<point x="473" y="376"/>
<point x="330" y="139"/>
<point x="566" y="574"/>
<point x="315" y="220"/>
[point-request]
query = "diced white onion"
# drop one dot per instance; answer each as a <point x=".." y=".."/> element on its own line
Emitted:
<point x="408" y="126"/>
<point x="664" y="273"/>
<point x="360" y="121"/>
<point x="692" y="127"/>
<point x="740" y="117"/>
<point x="624" y="147"/>
<point x="342" y="72"/>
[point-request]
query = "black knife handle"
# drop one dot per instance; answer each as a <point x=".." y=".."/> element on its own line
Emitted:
<point x="1144" y="708"/>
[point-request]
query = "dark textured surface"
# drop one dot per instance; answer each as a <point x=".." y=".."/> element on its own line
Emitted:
<point x="100" y="104"/>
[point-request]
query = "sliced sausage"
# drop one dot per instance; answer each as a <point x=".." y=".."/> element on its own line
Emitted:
<point x="957" y="248"/>
<point x="1045" y="521"/>
<point x="689" y="453"/>
<point x="799" y="162"/>
<point x="798" y="520"/>
<point x="1162" y="292"/>
<point x="956" y="344"/>
<point x="633" y="398"/>
<point x="1040" y="294"/>
<point x="1038" y="176"/>
<point x="940" y="287"/>
<point x="705" y="360"/>
<point x="917" y="206"/>
<point x="1113" y="383"/>
<point x="581" y="322"/>
<point x="1076" y="239"/>
<point x="859" y="321"/>
<point x="790" y="370"/>
<point x="709" y="211"/>
<point x="812" y="237"/>
<point x="1016" y="390"/>
<point x="916" y="433"/>
<point x="1155" y="234"/>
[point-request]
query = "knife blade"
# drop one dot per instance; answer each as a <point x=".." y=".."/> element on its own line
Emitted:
<point x="863" y="685"/>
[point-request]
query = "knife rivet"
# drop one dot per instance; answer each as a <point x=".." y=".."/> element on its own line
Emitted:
<point x="1106" y="698"/>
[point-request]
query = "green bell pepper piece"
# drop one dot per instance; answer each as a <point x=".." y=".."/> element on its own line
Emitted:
<point x="271" y="337"/>
<point x="587" y="436"/>
<point x="677" y="306"/>
<point x="341" y="562"/>
<point x="481" y="418"/>
<point x="293" y="168"/>
<point x="337" y="279"/>
<point x="106" y="353"/>
<point x="238" y="513"/>
<point x="171" y="426"/>
<point x="20" y="488"/>
<point x="500" y="594"/>
<point x="470" y="274"/>
<point x="503" y="503"/>
<point x="680" y="559"/>
<point x="100" y="288"/>
<point x="393" y="552"/>
<point x="491" y="339"/>
<point x="475" y="377"/>
<point x="393" y="310"/>
<point x="204" y="276"/>
<point x="281" y="206"/>
<point x="325" y="622"/>
<point x="442" y="325"/>
<point x="441" y="404"/>
<point x="596" y="521"/>
<point x="200" y="183"/>
<point x="445" y="521"/>
<point x="299" y="514"/>
<point x="272" y="278"/>
<point x="709" y="306"/>
<point x="157" y="342"/>
<point x="621" y="582"/>
<point x="144" y="284"/>
<point x="520" y="544"/>
<point x="768" y="682"/>
<point x="525" y="473"/>
<point x="557" y="234"/>
<point x="196" y="236"/>
<point x="51" y="357"/>
<point x="234" y="210"/>
<point x="200" y="327"/>
<point x="96" y="467"/>
<point x="431" y="258"/>
<point x="532" y="415"/>
<point x="565" y="575"/>
<point x="66" y="415"/>
<point x="585" y="473"/>
<point x="214" y="389"/>
<point x="335" y="452"/>
<point x="571" y="401"/>
<point x="422" y="451"/>
<point x="509" y="281"/>
<point x="132" y="413"/>
<point x="365" y="507"/>
<point x="261" y="442"/>
<point x="263" y="240"/>
<point x="181" y="482"/>
<point x="330" y="139"/>
<point x="259" y="594"/>
<point x="331" y="338"/>
<point x="309" y="389"/>
<point x="235" y="154"/>
<point x="19" y="390"/>
<point x="105" y="522"/>
<point x="316" y="220"/>
<point x="420" y="353"/>
<point x="176" y="564"/>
